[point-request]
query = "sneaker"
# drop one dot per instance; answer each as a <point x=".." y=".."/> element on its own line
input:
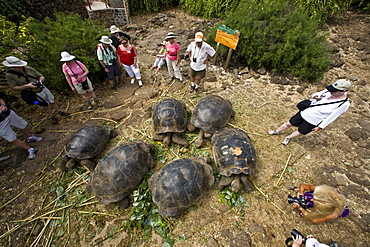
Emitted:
<point x="54" y="120"/>
<point x="333" y="244"/>
<point x="64" y="114"/>
<point x="273" y="132"/>
<point x="32" y="153"/>
<point x="152" y="67"/>
<point x="4" y="158"/>
<point x="286" y="141"/>
<point x="34" y="139"/>
<point x="89" y="106"/>
<point x="132" y="81"/>
<point x="99" y="104"/>
<point x="192" y="89"/>
<point x="196" y="91"/>
<point x="157" y="69"/>
<point x="140" y="83"/>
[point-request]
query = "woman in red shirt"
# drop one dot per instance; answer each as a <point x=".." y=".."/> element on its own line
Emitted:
<point x="128" y="58"/>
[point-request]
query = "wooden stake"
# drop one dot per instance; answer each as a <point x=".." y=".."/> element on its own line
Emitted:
<point x="228" y="59"/>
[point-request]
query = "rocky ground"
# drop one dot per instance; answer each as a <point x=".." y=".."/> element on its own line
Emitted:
<point x="338" y="156"/>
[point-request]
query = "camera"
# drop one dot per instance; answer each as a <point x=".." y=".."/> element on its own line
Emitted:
<point x="194" y="59"/>
<point x="38" y="84"/>
<point x="112" y="61"/>
<point x="295" y="234"/>
<point x="300" y="200"/>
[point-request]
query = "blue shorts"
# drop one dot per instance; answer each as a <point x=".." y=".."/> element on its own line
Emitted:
<point x="113" y="72"/>
<point x="304" y="127"/>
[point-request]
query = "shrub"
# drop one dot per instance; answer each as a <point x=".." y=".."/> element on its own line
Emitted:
<point x="279" y="36"/>
<point x="324" y="9"/>
<point x="66" y="33"/>
<point x="209" y="8"/>
<point x="149" y="6"/>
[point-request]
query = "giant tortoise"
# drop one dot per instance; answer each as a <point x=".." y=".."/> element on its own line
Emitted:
<point x="235" y="157"/>
<point x="84" y="144"/>
<point x="210" y="114"/>
<point x="179" y="184"/>
<point x="169" y="121"/>
<point x="120" y="171"/>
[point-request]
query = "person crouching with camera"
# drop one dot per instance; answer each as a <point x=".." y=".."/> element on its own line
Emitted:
<point x="320" y="203"/>
<point x="30" y="83"/>
<point x="75" y="73"/>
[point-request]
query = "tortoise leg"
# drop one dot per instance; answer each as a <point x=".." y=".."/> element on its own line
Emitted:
<point x="167" y="139"/>
<point x="248" y="186"/>
<point x="235" y="184"/>
<point x="225" y="181"/>
<point x="158" y="137"/>
<point x="199" y="141"/>
<point x="207" y="135"/>
<point x="71" y="163"/>
<point x="176" y="138"/>
<point x="89" y="164"/>
<point x="63" y="163"/>
<point x="124" y="203"/>
<point x="190" y="127"/>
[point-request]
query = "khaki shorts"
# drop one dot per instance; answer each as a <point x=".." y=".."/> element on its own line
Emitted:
<point x="198" y="74"/>
<point x="79" y="88"/>
<point x="46" y="96"/>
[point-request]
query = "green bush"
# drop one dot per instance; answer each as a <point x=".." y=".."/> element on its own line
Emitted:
<point x="324" y="9"/>
<point x="66" y="33"/>
<point x="209" y="8"/>
<point x="279" y="36"/>
<point x="149" y="6"/>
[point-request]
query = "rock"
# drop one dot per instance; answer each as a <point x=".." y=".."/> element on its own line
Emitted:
<point x="262" y="71"/>
<point x="357" y="164"/>
<point x="355" y="133"/>
<point x="153" y="94"/>
<point x="244" y="71"/>
<point x="212" y="243"/>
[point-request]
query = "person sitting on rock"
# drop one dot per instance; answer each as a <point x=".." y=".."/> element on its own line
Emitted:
<point x="323" y="203"/>
<point x="160" y="59"/>
<point x="9" y="118"/>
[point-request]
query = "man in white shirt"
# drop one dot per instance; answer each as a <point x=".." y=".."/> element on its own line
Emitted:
<point x="200" y="53"/>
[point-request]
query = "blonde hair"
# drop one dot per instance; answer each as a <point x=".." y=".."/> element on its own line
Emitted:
<point x="327" y="200"/>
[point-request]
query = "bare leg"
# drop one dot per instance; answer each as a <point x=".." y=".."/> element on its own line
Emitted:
<point x="284" y="126"/>
<point x="48" y="110"/>
<point x="20" y="144"/>
<point x="26" y="132"/>
<point x="55" y="106"/>
<point x="294" y="134"/>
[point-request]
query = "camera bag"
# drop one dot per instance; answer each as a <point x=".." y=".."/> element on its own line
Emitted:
<point x="304" y="104"/>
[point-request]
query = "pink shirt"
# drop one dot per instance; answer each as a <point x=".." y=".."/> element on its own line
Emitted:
<point x="73" y="70"/>
<point x="172" y="50"/>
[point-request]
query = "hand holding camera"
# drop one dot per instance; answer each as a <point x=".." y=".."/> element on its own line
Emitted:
<point x="297" y="238"/>
<point x="38" y="84"/>
<point x="300" y="200"/>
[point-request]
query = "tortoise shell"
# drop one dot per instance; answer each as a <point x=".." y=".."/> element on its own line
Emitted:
<point x="169" y="115"/>
<point x="88" y="142"/>
<point x="120" y="171"/>
<point x="212" y="113"/>
<point x="233" y="152"/>
<point x="179" y="184"/>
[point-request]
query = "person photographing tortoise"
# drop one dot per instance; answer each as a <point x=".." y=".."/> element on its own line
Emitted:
<point x="322" y="109"/>
<point x="29" y="82"/>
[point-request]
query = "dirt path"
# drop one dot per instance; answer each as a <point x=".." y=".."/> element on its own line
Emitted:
<point x="338" y="155"/>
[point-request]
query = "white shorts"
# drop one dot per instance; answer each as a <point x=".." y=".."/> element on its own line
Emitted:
<point x="14" y="120"/>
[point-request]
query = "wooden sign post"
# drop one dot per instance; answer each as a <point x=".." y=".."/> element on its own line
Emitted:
<point x="229" y="38"/>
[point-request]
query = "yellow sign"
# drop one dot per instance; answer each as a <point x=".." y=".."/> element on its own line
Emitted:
<point x="227" y="37"/>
